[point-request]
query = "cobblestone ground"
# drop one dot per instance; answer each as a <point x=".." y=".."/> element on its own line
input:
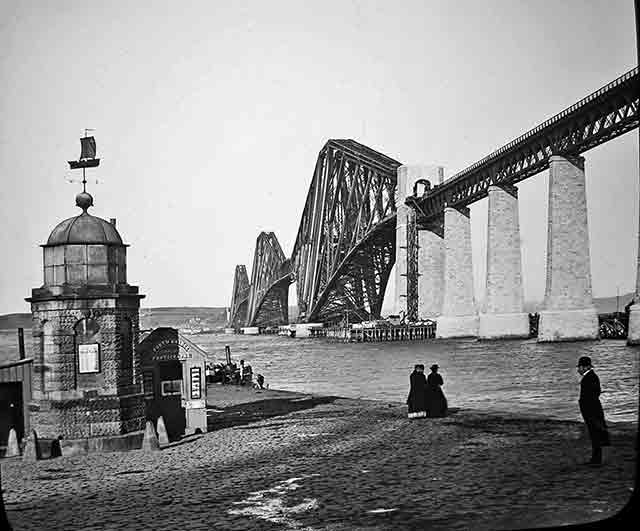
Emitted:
<point x="296" y="462"/>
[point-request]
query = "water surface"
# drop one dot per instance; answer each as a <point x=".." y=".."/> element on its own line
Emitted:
<point x="516" y="376"/>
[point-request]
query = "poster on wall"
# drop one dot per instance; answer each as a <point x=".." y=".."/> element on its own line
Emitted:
<point x="89" y="358"/>
<point x="195" y="383"/>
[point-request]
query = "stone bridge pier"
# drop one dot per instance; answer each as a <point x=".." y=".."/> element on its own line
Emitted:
<point x="431" y="274"/>
<point x="445" y="273"/>
<point x="459" y="315"/>
<point x="504" y="317"/>
<point x="633" y="335"/>
<point x="430" y="255"/>
<point x="568" y="313"/>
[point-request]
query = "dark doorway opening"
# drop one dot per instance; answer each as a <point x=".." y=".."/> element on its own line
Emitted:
<point x="11" y="410"/>
<point x="168" y="398"/>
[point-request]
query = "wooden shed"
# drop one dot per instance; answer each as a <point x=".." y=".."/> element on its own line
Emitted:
<point x="173" y="371"/>
<point x="15" y="395"/>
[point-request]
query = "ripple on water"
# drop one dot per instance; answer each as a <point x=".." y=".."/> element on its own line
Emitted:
<point x="512" y="375"/>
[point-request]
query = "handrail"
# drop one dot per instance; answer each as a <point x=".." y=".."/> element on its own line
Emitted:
<point x="616" y="82"/>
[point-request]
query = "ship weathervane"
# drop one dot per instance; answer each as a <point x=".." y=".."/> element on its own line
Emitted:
<point x="87" y="157"/>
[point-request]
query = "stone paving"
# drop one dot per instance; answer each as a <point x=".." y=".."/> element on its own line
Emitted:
<point x="287" y="461"/>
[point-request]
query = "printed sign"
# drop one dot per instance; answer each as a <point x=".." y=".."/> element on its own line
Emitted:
<point x="171" y="387"/>
<point x="170" y="342"/>
<point x="196" y="379"/>
<point x="89" y="358"/>
<point x="168" y="356"/>
<point x="193" y="404"/>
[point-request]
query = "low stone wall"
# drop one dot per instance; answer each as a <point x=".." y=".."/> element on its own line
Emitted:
<point x="120" y="443"/>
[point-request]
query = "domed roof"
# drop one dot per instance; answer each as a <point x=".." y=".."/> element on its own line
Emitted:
<point x="84" y="228"/>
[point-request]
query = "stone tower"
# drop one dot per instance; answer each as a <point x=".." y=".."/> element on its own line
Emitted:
<point x="87" y="380"/>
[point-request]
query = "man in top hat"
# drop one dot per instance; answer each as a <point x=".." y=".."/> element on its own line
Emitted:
<point x="591" y="409"/>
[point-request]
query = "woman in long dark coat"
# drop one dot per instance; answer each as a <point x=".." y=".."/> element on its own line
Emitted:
<point x="417" y="393"/>
<point x="436" y="401"/>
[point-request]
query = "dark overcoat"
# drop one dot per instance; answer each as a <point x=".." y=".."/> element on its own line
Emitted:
<point x="591" y="409"/>
<point x="436" y="401"/>
<point x="417" y="399"/>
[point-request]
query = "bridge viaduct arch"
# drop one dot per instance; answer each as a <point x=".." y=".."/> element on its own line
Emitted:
<point x="366" y="211"/>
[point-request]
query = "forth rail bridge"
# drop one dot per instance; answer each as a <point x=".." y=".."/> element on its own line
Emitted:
<point x="365" y="212"/>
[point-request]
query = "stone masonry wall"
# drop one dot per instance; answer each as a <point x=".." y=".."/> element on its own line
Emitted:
<point x="458" y="286"/>
<point x="504" y="265"/>
<point x="406" y="178"/>
<point x="431" y="279"/>
<point x="400" y="267"/>
<point x="71" y="404"/>
<point x="568" y="259"/>
<point x="88" y="417"/>
<point x="569" y="313"/>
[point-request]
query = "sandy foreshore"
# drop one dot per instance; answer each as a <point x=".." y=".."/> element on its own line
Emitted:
<point x="282" y="460"/>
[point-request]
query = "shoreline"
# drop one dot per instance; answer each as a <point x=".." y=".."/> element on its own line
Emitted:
<point x="277" y="459"/>
<point x="284" y="393"/>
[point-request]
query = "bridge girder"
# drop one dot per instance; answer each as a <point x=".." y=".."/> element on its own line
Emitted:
<point x="239" y="298"/>
<point x="605" y="114"/>
<point x="344" y="249"/>
<point x="270" y="278"/>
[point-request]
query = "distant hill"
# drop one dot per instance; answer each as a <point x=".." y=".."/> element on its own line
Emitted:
<point x="602" y="304"/>
<point x="609" y="304"/>
<point x="216" y="317"/>
<point x="179" y="317"/>
<point x="13" y="321"/>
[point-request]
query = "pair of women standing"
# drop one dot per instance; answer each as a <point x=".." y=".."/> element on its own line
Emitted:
<point x="426" y="398"/>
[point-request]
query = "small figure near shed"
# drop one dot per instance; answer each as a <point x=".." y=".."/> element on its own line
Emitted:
<point x="246" y="373"/>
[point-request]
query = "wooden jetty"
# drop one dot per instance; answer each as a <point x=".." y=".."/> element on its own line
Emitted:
<point x="377" y="334"/>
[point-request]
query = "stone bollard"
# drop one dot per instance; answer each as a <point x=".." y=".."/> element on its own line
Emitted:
<point x="150" y="440"/>
<point x="31" y="451"/>
<point x="13" y="449"/>
<point x="163" y="436"/>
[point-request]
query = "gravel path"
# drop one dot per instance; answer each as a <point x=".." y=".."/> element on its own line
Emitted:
<point x="278" y="460"/>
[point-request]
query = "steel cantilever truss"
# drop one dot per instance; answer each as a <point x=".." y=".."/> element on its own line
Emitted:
<point x="603" y="115"/>
<point x="239" y="298"/>
<point x="345" y="246"/>
<point x="270" y="279"/>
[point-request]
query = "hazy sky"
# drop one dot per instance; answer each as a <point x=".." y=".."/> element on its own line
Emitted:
<point x="209" y="117"/>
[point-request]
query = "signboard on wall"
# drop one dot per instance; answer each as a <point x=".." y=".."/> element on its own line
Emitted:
<point x="193" y="404"/>
<point x="196" y="383"/>
<point x="89" y="358"/>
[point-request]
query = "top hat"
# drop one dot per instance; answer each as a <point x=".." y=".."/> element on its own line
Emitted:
<point x="434" y="366"/>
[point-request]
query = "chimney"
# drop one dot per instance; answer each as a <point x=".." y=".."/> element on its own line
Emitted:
<point x="113" y="221"/>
